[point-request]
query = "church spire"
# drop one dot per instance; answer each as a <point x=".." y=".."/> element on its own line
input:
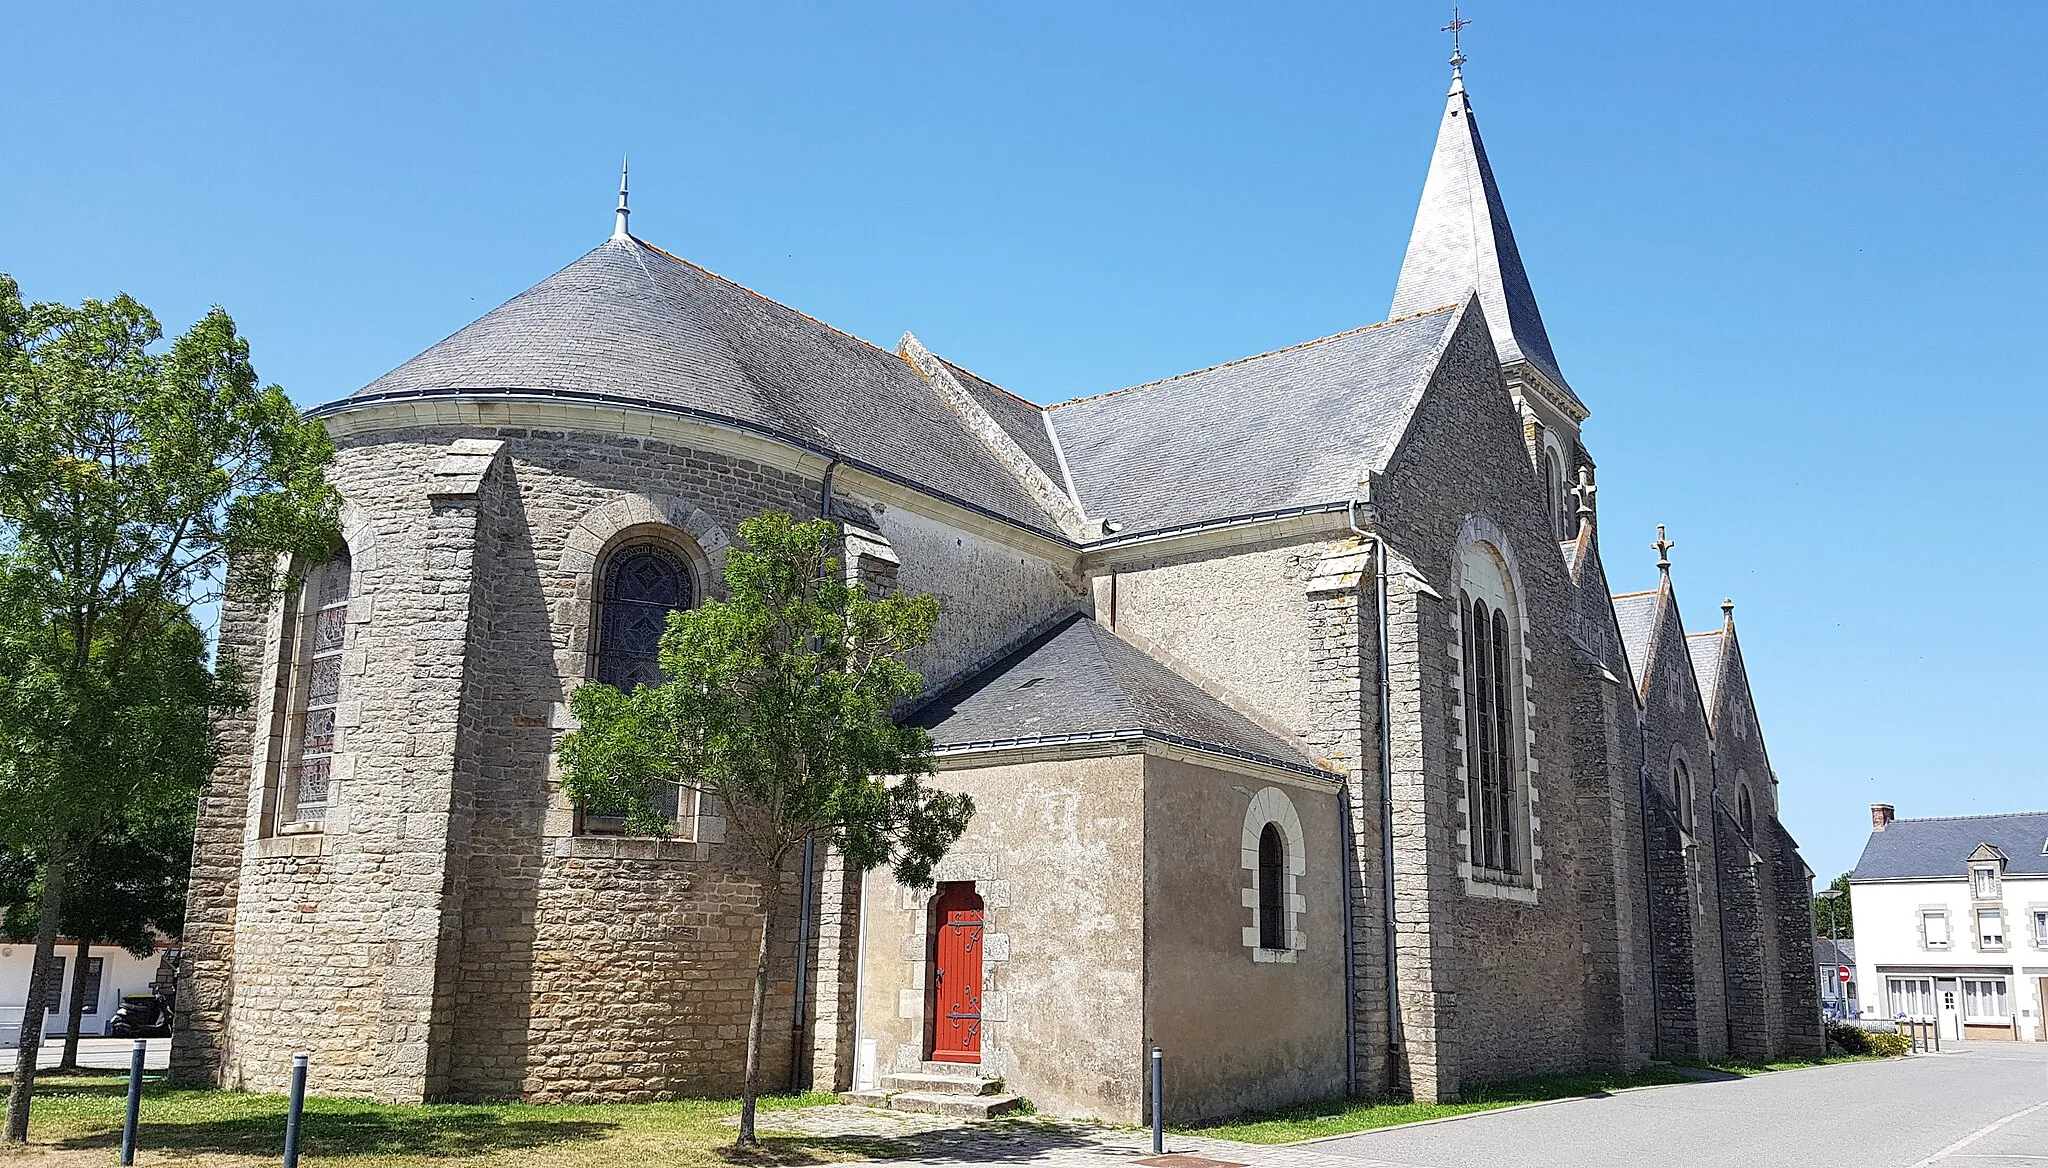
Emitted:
<point x="619" y="227"/>
<point x="1462" y="242"/>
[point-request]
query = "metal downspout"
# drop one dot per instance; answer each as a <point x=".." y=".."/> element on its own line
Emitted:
<point x="804" y="903"/>
<point x="1347" y="846"/>
<point x="1649" y="883"/>
<point x="1383" y="675"/>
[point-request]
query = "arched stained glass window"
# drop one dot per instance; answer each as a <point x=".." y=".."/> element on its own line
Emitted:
<point x="642" y="584"/>
<point x="1272" y="888"/>
<point x="1489" y="739"/>
<point x="1553" y="494"/>
<point x="322" y="631"/>
<point x="1745" y="810"/>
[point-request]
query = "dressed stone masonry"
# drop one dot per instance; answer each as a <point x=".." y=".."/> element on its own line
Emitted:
<point x="1323" y="633"/>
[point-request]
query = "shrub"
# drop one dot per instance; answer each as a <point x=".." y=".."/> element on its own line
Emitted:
<point x="1889" y="1045"/>
<point x="1850" y="1039"/>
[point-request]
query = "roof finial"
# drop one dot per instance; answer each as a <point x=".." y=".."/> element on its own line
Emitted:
<point x="619" y="229"/>
<point x="1583" y="492"/>
<point x="1663" y="548"/>
<point x="1456" y="25"/>
<point x="1728" y="609"/>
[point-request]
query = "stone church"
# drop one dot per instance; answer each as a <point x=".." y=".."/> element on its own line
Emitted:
<point x="1308" y="738"/>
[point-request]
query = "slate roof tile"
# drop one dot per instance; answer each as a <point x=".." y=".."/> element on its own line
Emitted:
<point x="630" y="322"/>
<point x="1268" y="433"/>
<point x="1635" y="615"/>
<point x="1078" y="679"/>
<point x="1910" y="848"/>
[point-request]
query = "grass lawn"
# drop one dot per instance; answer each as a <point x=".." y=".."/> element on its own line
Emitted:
<point x="77" y="1120"/>
<point x="1341" y="1116"/>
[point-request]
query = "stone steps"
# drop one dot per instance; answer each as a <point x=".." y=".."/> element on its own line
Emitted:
<point x="954" y="1092"/>
<point x="934" y="1103"/>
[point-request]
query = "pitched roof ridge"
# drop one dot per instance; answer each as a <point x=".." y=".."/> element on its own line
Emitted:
<point x="1959" y="818"/>
<point x="1633" y="595"/>
<point x="694" y="266"/>
<point x="1707" y="633"/>
<point x="1256" y="356"/>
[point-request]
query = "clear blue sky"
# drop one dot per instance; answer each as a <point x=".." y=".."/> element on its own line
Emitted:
<point x="1790" y="256"/>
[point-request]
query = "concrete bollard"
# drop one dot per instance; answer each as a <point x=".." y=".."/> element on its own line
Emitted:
<point x="296" y="1112"/>
<point x="128" y="1125"/>
<point x="1158" y="1102"/>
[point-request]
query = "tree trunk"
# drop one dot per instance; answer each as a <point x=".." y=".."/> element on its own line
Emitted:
<point x="75" y="1016"/>
<point x="38" y="994"/>
<point x="771" y="899"/>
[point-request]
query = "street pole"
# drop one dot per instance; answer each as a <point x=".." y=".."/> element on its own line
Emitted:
<point x="1158" y="1108"/>
<point x="296" y="1113"/>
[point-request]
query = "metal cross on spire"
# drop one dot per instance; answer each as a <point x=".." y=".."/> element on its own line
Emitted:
<point x="1583" y="491"/>
<point x="619" y="228"/>
<point x="1663" y="548"/>
<point x="1456" y="26"/>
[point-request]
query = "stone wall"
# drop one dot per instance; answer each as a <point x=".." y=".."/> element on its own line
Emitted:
<point x="1241" y="1031"/>
<point x="1472" y="956"/>
<point x="1056" y="850"/>
<point x="454" y="933"/>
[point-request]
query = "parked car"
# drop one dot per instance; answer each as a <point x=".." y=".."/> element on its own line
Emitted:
<point x="141" y="1016"/>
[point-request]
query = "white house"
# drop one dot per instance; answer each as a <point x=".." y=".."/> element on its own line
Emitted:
<point x="109" y="973"/>
<point x="1952" y="922"/>
<point x="1837" y="997"/>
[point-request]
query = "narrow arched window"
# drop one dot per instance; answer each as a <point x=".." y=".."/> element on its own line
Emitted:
<point x="1272" y="888"/>
<point x="320" y="631"/>
<point x="642" y="584"/>
<point x="1553" y="493"/>
<point x="1745" y="811"/>
<point x="1500" y="820"/>
<point x="1681" y="794"/>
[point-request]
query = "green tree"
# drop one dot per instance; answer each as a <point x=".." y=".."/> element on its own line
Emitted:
<point x="779" y="704"/>
<point x="131" y="475"/>
<point x="1834" y="922"/>
<point x="125" y="889"/>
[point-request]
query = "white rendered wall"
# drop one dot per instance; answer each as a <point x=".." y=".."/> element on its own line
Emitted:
<point x="120" y="972"/>
<point x="1887" y="916"/>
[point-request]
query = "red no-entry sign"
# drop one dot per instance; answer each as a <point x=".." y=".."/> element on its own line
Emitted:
<point x="1842" y="972"/>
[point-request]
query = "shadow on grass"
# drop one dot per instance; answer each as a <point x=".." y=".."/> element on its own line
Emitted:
<point x="991" y="1142"/>
<point x="355" y="1132"/>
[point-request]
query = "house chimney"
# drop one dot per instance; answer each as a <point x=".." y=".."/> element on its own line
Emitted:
<point x="1880" y="815"/>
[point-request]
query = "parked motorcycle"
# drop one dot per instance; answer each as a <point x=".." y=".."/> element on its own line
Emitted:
<point x="141" y="1016"/>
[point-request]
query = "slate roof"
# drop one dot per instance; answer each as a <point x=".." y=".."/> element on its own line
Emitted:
<point x="1635" y="615"/>
<point x="631" y="323"/>
<point x="1235" y="440"/>
<point x="1826" y="952"/>
<point x="1935" y="848"/>
<point x="1023" y="421"/>
<point x="1462" y="241"/>
<point x="1079" y="680"/>
<point x="1706" y="651"/>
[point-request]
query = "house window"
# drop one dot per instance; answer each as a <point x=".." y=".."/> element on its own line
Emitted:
<point x="1934" y="928"/>
<point x="2041" y="929"/>
<point x="1990" y="928"/>
<point x="642" y="584"/>
<point x="1272" y="889"/>
<point x="1745" y="811"/>
<point x="1984" y="1000"/>
<point x="1912" y="997"/>
<point x="92" y="984"/>
<point x="1984" y="883"/>
<point x="1681" y="795"/>
<point x="53" y="993"/>
<point x="320" y="633"/>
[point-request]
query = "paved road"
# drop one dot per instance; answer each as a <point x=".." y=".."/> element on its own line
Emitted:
<point x="103" y="1053"/>
<point x="1983" y="1105"/>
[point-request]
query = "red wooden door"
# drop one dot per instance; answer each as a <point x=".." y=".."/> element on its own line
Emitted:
<point x="956" y="976"/>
